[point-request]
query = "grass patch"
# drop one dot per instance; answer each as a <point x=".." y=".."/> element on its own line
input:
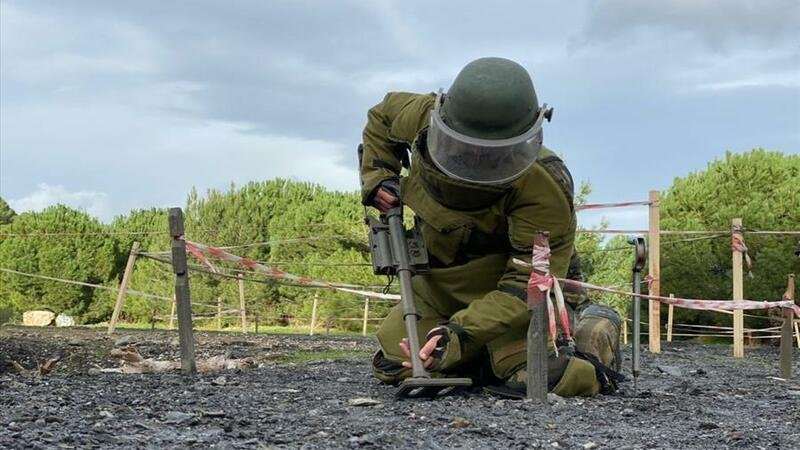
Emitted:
<point x="309" y="356"/>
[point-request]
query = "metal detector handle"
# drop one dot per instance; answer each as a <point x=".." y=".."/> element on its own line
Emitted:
<point x="639" y="259"/>
<point x="397" y="233"/>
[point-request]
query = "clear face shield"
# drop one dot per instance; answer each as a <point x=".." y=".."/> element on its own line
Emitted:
<point x="483" y="161"/>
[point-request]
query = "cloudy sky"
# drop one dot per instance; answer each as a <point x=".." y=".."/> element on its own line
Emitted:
<point x="109" y="106"/>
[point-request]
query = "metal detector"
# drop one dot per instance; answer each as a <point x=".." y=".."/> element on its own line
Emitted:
<point x="401" y="253"/>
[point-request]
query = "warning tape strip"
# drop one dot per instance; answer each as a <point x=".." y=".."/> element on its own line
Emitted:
<point x="691" y="303"/>
<point x="610" y="205"/>
<point x="196" y="248"/>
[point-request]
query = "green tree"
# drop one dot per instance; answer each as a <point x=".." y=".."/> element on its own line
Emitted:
<point x="58" y="242"/>
<point x="762" y="187"/>
<point x="6" y="213"/>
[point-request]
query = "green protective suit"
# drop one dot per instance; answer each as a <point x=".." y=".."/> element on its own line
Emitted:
<point x="472" y="233"/>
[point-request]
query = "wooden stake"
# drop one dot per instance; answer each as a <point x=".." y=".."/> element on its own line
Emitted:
<point x="366" y="316"/>
<point x="182" y="293"/>
<point x="786" y="331"/>
<point x="314" y="314"/>
<point x="738" y="294"/>
<point x="537" y="344"/>
<point x="242" y="309"/>
<point x="786" y="343"/>
<point x="219" y="313"/>
<point x="172" y="314"/>
<point x="670" y="312"/>
<point x="625" y="331"/>
<point x="797" y="333"/>
<point x="123" y="287"/>
<point x="654" y="307"/>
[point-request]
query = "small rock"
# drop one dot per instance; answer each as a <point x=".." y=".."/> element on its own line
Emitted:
<point x="214" y="414"/>
<point x="38" y="318"/>
<point x="63" y="320"/>
<point x="363" y="401"/>
<point x="343" y="380"/>
<point x="460" y="422"/>
<point x="75" y="343"/>
<point x="39" y="422"/>
<point x="670" y="370"/>
<point x="124" y="341"/>
<point x="362" y="440"/>
<point x="555" y="444"/>
<point x="707" y="426"/>
<point x="219" y="381"/>
<point x="178" y="417"/>
<point x="589" y="445"/>
<point x="555" y="399"/>
<point x="628" y="412"/>
<point x="105" y="413"/>
<point x="175" y="342"/>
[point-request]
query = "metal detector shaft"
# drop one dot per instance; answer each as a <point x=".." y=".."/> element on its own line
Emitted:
<point x="640" y="255"/>
<point x="637" y="278"/>
<point x="397" y="233"/>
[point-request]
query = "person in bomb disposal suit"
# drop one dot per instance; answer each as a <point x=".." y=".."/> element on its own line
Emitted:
<point x="481" y="184"/>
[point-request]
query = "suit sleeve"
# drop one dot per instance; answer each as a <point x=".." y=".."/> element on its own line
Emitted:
<point x="392" y="126"/>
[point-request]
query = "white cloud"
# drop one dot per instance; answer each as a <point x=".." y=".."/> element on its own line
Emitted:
<point x="767" y="80"/>
<point x="92" y="202"/>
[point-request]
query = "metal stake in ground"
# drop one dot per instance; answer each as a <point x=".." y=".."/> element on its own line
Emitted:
<point x="537" y="332"/>
<point x="182" y="295"/>
<point x="639" y="258"/>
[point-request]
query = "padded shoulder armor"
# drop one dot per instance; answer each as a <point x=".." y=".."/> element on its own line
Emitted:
<point x="558" y="170"/>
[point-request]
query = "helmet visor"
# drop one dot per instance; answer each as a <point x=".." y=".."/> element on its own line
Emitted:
<point x="482" y="161"/>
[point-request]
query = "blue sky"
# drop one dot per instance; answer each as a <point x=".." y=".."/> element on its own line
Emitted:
<point x="109" y="106"/>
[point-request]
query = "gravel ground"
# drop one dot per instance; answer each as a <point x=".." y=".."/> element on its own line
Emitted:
<point x="689" y="396"/>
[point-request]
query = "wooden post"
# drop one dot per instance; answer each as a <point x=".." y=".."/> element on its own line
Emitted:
<point x="366" y="316"/>
<point x="654" y="307"/>
<point x="242" y="309"/>
<point x="182" y="293"/>
<point x="255" y="318"/>
<point x="314" y="314"/>
<point x="625" y="331"/>
<point x="537" y="344"/>
<point x="797" y="333"/>
<point x="172" y="314"/>
<point x="786" y="332"/>
<point x="123" y="287"/>
<point x="219" y="313"/>
<point x="786" y="343"/>
<point x="738" y="294"/>
<point x="670" y="312"/>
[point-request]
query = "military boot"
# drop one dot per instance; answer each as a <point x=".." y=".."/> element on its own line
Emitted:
<point x="597" y="334"/>
<point x="567" y="375"/>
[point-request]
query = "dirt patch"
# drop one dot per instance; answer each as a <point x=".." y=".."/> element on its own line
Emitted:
<point x="689" y="396"/>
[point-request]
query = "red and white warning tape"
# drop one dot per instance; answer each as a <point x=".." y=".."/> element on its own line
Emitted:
<point x="202" y="251"/>
<point x="610" y="205"/>
<point x="691" y="303"/>
<point x="738" y="245"/>
<point x="542" y="280"/>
